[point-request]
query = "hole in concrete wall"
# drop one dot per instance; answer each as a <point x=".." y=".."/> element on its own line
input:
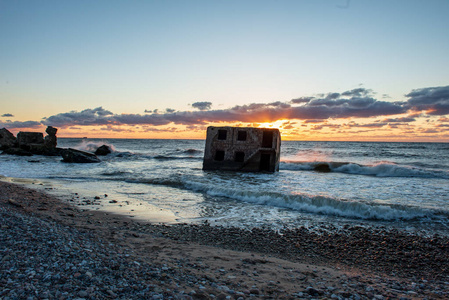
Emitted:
<point x="241" y="135"/>
<point x="239" y="156"/>
<point x="265" y="160"/>
<point x="222" y="134"/>
<point x="219" y="155"/>
<point x="267" y="140"/>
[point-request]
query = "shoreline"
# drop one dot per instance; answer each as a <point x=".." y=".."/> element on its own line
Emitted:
<point x="198" y="261"/>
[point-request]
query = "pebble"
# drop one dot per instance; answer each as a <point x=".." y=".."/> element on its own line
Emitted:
<point x="56" y="257"/>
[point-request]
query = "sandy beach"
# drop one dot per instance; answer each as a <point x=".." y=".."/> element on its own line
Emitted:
<point x="51" y="249"/>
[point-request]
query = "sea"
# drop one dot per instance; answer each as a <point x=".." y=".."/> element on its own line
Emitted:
<point x="398" y="186"/>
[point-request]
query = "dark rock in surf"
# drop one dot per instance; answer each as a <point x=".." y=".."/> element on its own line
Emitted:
<point x="76" y="156"/>
<point x="29" y="143"/>
<point x="7" y="139"/>
<point x="17" y="151"/>
<point x="322" y="168"/>
<point x="103" y="150"/>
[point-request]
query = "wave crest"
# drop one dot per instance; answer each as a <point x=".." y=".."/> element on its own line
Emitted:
<point x="305" y="203"/>
<point x="316" y="204"/>
<point x="92" y="146"/>
<point x="382" y="169"/>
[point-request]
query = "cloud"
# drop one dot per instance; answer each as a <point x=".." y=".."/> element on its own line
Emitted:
<point x="202" y="105"/>
<point x="17" y="124"/>
<point x="301" y="100"/>
<point x="368" y="125"/>
<point x="432" y="100"/>
<point x="399" y="120"/>
<point x="96" y="116"/>
<point x="314" y="121"/>
<point x="7" y="115"/>
<point x="357" y="92"/>
<point x="356" y="103"/>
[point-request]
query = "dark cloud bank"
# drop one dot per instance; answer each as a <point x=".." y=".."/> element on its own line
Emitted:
<point x="357" y="103"/>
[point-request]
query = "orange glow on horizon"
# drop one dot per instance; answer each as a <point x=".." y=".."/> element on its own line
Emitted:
<point x="291" y="130"/>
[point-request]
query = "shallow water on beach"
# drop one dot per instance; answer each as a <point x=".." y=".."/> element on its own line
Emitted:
<point x="402" y="185"/>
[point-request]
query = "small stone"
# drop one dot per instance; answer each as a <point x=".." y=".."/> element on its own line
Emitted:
<point x="111" y="293"/>
<point x="312" y="291"/>
<point x="254" y="291"/>
<point x="221" y="296"/>
<point x="83" y="294"/>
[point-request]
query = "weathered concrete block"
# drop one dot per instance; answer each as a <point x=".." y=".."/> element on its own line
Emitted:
<point x="242" y="149"/>
<point x="27" y="138"/>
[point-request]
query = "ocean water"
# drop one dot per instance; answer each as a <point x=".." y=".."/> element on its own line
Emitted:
<point x="393" y="185"/>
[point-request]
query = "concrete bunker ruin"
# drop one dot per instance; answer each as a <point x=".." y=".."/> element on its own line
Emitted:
<point x="242" y="149"/>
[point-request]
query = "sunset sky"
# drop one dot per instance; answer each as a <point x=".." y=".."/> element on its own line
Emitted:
<point x="317" y="69"/>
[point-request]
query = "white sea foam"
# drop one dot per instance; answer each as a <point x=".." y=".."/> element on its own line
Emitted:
<point x="382" y="169"/>
<point x="92" y="146"/>
<point x="313" y="204"/>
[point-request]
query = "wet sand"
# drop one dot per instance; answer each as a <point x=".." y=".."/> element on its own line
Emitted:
<point x="203" y="261"/>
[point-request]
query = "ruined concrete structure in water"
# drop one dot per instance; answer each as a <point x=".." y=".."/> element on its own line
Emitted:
<point x="242" y="149"/>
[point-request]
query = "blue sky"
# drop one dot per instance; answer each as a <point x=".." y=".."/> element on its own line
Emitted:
<point x="129" y="57"/>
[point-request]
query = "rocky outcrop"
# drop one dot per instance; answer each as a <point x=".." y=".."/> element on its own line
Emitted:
<point x="50" y="140"/>
<point x="76" y="156"/>
<point x="103" y="150"/>
<point x="29" y="143"/>
<point x="7" y="139"/>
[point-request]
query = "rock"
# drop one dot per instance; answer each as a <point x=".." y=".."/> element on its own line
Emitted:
<point x="50" y="140"/>
<point x="17" y="151"/>
<point x="103" y="150"/>
<point x="27" y="138"/>
<point x="77" y="156"/>
<point x="29" y="143"/>
<point x="254" y="291"/>
<point x="7" y="139"/>
<point x="51" y="130"/>
<point x="322" y="167"/>
<point x="83" y="294"/>
<point x="314" y="292"/>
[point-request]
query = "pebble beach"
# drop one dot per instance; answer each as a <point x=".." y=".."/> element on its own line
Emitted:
<point x="51" y="249"/>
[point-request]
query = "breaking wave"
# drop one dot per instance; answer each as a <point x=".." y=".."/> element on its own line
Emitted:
<point x="383" y="169"/>
<point x="92" y="146"/>
<point x="306" y="203"/>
